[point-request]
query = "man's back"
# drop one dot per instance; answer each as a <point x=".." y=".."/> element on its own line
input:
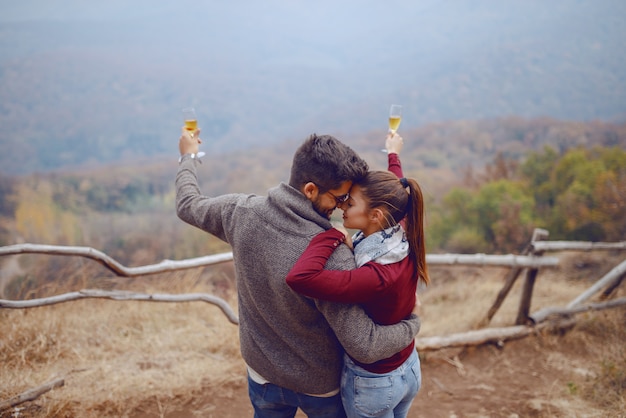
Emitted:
<point x="283" y="335"/>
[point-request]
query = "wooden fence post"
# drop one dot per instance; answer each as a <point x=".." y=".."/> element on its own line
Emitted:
<point x="538" y="234"/>
<point x="525" y="300"/>
<point x="531" y="276"/>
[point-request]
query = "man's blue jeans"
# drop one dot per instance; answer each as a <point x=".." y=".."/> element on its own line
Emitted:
<point x="271" y="401"/>
<point x="388" y="395"/>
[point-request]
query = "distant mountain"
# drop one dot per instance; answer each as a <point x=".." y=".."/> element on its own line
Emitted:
<point x="106" y="83"/>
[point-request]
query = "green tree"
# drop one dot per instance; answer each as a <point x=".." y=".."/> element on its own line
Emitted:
<point x="503" y="211"/>
<point x="581" y="193"/>
<point x="611" y="207"/>
<point x="497" y="217"/>
<point x="449" y="216"/>
<point x="537" y="172"/>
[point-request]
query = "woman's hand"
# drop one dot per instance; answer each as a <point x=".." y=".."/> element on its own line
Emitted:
<point x="347" y="239"/>
<point x="394" y="143"/>
<point x="417" y="309"/>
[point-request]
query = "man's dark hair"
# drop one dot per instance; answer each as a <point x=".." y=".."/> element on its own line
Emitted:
<point x="327" y="162"/>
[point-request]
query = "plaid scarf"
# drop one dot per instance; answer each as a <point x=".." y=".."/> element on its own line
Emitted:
<point x="384" y="247"/>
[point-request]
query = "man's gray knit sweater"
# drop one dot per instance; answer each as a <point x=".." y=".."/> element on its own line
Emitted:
<point x="292" y="341"/>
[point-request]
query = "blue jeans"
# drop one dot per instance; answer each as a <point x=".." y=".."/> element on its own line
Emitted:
<point x="271" y="401"/>
<point x="367" y="394"/>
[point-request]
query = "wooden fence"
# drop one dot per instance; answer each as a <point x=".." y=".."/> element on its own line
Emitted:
<point x="532" y="260"/>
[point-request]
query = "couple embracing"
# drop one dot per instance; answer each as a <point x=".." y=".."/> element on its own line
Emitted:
<point x="326" y="322"/>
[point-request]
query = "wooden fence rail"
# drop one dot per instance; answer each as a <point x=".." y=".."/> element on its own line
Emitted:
<point x="532" y="259"/>
<point x="123" y="295"/>
<point x="112" y="264"/>
<point x="510" y="260"/>
<point x="578" y="246"/>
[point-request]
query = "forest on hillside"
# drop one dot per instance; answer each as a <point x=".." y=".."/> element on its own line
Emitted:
<point x="74" y="90"/>
<point x="485" y="193"/>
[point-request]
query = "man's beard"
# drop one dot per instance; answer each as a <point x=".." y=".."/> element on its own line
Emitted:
<point x="325" y="213"/>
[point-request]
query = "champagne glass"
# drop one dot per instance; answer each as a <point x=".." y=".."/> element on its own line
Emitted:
<point x="395" y="117"/>
<point x="191" y="122"/>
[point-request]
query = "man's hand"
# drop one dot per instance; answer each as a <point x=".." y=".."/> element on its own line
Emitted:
<point x="189" y="142"/>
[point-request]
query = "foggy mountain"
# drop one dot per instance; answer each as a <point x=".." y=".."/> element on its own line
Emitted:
<point x="106" y="82"/>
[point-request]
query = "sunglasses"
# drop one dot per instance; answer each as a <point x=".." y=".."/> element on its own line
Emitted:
<point x="340" y="199"/>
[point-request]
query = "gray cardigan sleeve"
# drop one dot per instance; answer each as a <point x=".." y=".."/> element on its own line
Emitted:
<point x="365" y="341"/>
<point x="203" y="212"/>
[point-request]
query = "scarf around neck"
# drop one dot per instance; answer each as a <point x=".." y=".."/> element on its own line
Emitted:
<point x="384" y="247"/>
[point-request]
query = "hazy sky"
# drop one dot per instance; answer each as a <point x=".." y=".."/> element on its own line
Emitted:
<point x="131" y="9"/>
<point x="273" y="69"/>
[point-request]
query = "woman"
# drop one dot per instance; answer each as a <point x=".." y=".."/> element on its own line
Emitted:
<point x="388" y="211"/>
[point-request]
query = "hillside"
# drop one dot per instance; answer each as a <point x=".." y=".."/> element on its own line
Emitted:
<point x="121" y="208"/>
<point x="84" y="84"/>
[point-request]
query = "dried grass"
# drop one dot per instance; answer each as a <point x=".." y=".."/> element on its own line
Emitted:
<point x="117" y="357"/>
<point x="113" y="354"/>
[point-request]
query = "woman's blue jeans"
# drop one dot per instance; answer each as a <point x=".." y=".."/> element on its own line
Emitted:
<point x="271" y="401"/>
<point x="367" y="394"/>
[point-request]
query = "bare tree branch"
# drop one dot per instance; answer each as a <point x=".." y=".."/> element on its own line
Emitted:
<point x="31" y="394"/>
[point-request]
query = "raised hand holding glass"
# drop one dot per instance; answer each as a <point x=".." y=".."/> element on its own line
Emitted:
<point x="191" y="123"/>
<point x="395" y="117"/>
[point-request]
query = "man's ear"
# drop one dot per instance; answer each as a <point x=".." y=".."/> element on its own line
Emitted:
<point x="310" y="190"/>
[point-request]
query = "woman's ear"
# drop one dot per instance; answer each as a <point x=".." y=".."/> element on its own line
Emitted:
<point x="310" y="190"/>
<point x="377" y="216"/>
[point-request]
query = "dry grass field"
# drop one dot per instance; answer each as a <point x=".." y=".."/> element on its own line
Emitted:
<point x="153" y="359"/>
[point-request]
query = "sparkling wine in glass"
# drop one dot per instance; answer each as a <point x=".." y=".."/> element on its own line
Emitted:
<point x="395" y="117"/>
<point x="191" y="120"/>
<point x="191" y="123"/>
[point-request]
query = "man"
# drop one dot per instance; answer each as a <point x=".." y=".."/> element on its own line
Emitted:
<point x="291" y="344"/>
